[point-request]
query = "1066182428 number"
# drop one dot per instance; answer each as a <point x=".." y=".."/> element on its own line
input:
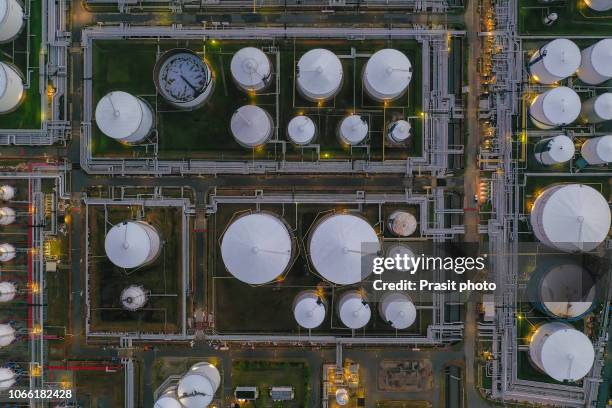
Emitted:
<point x="40" y="394"/>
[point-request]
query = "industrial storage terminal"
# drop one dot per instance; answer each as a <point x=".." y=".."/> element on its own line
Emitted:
<point x="305" y="203"/>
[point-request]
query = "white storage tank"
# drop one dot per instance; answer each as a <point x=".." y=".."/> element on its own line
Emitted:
<point x="597" y="150"/>
<point x="571" y="217"/>
<point x="184" y="79"/>
<point x="398" y="310"/>
<point x="398" y="132"/>
<point x="554" y="150"/>
<point x="7" y="252"/>
<point x="124" y="117"/>
<point x="319" y="75"/>
<point x="7" y="193"/>
<point x="342" y="397"/>
<point x="599" y="5"/>
<point x="168" y="399"/>
<point x="251" y="126"/>
<point x="251" y="69"/>
<point x="301" y="130"/>
<point x="131" y="244"/>
<point x="402" y="223"/>
<point x="353" y="310"/>
<point x="11" y="20"/>
<point x="556" y="107"/>
<point x="8" y="378"/>
<point x="341" y="247"/>
<point x="133" y="297"/>
<point x="353" y="130"/>
<point x="555" y="61"/>
<point x="11" y="88"/>
<point x="309" y="309"/>
<point x="7" y="216"/>
<point x="404" y="252"/>
<point x="197" y="388"/>
<point x="597" y="109"/>
<point x="257" y="248"/>
<point x="596" y="65"/>
<point x="8" y="291"/>
<point x="561" y="351"/>
<point x="387" y="74"/>
<point x="7" y="334"/>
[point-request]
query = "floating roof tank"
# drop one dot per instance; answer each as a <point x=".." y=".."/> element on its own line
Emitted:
<point x="561" y="351"/>
<point x="7" y="334"/>
<point x="596" y="66"/>
<point x="7" y="216"/>
<point x="398" y="310"/>
<point x="353" y="310"/>
<point x="7" y="193"/>
<point x="599" y="5"/>
<point x="555" y="61"/>
<point x="353" y="130"/>
<point x="11" y="88"/>
<point x="342" y="396"/>
<point x="183" y="79"/>
<point x="257" y="248"/>
<point x="131" y="244"/>
<point x="168" y="399"/>
<point x="251" y="69"/>
<point x="319" y="75"/>
<point x="309" y="309"/>
<point x="133" y="297"/>
<point x="597" y="150"/>
<point x="398" y="132"/>
<point x="555" y="107"/>
<point x="301" y="130"/>
<point x="571" y="217"/>
<point x="8" y="378"/>
<point x="387" y="74"/>
<point x="11" y="20"/>
<point x="402" y="223"/>
<point x="402" y="250"/>
<point x="251" y="126"/>
<point x="7" y="252"/>
<point x="340" y="246"/>
<point x="124" y="117"/>
<point x="554" y="150"/>
<point x="8" y="291"/>
<point x="597" y="109"/>
<point x="198" y="386"/>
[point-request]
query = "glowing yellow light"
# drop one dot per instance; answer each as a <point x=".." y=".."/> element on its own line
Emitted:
<point x="35" y="287"/>
<point x="35" y="370"/>
<point x="213" y="42"/>
<point x="36" y="329"/>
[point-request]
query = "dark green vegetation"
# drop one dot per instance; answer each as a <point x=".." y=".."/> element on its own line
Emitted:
<point x="574" y="18"/>
<point x="204" y="133"/>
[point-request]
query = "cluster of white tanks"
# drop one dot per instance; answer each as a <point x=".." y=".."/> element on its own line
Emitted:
<point x="11" y="84"/>
<point x="560" y="149"/>
<point x="195" y="389"/>
<point x="8" y="252"/>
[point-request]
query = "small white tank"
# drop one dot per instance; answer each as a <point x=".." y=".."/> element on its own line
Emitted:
<point x="555" y="61"/>
<point x="398" y="310"/>
<point x="342" y="397"/>
<point x="309" y="309"/>
<point x="404" y="252"/>
<point x="7" y="334"/>
<point x="301" y="130"/>
<point x="168" y="399"/>
<point x="599" y="5"/>
<point x="133" y="297"/>
<point x="353" y="310"/>
<point x="596" y="66"/>
<point x="11" y="20"/>
<point x="251" y="126"/>
<point x="8" y="291"/>
<point x="196" y="389"/>
<point x="398" y="132"/>
<point x="124" y="117"/>
<point x="556" y="107"/>
<point x="319" y="75"/>
<point x="597" y="109"/>
<point x="554" y="150"/>
<point x="597" y="150"/>
<point x="251" y="69"/>
<point x="131" y="244"/>
<point x="353" y="130"/>
<point x="7" y="252"/>
<point x="8" y="378"/>
<point x="7" y="193"/>
<point x="7" y="216"/>
<point x="11" y="88"/>
<point x="387" y="74"/>
<point x="561" y="351"/>
<point x="402" y="223"/>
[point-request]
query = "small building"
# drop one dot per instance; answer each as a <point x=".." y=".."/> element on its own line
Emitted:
<point x="284" y="393"/>
<point x="246" y="393"/>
